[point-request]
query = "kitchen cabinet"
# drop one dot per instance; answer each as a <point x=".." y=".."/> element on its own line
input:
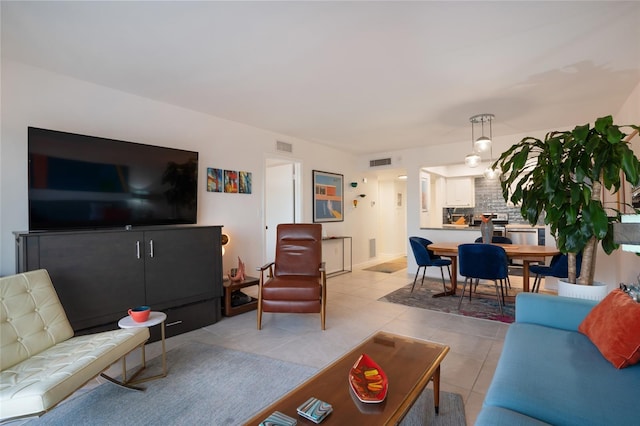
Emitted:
<point x="460" y="192"/>
<point x="100" y="274"/>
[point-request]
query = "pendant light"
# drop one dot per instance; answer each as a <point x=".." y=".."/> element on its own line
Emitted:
<point x="491" y="173"/>
<point x="483" y="143"/>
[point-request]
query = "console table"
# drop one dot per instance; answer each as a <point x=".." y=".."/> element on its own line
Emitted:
<point x="344" y="268"/>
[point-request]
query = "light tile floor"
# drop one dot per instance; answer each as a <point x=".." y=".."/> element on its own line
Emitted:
<point x="353" y="314"/>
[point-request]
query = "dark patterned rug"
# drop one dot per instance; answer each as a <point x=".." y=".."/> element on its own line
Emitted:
<point x="483" y="304"/>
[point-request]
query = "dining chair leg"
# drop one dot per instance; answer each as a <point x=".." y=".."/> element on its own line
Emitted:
<point x="424" y="272"/>
<point x="416" y="277"/>
<point x="536" y="284"/>
<point x="442" y="273"/>
<point x="495" y="283"/>
<point x="464" y="287"/>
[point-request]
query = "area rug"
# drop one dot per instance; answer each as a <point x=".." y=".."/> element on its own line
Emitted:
<point x="206" y="384"/>
<point x="483" y="306"/>
<point x="390" y="266"/>
<point x="212" y="385"/>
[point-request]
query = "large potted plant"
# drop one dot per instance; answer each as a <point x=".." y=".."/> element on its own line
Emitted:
<point x="563" y="176"/>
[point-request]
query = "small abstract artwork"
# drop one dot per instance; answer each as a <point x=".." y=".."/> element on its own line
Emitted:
<point x="231" y="181"/>
<point x="215" y="180"/>
<point x="245" y="183"/>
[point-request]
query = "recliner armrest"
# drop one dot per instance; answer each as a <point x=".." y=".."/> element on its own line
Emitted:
<point x="265" y="267"/>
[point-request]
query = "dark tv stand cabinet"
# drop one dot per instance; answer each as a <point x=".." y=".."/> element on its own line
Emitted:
<point x="100" y="274"/>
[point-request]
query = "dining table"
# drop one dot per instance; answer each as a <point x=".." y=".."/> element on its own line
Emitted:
<point x="524" y="252"/>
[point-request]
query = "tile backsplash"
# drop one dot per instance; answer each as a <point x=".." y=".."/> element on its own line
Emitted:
<point x="488" y="197"/>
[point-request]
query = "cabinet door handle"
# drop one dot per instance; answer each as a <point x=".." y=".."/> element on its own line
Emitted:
<point x="150" y="248"/>
<point x="138" y="249"/>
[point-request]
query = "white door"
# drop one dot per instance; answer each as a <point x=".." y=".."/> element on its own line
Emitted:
<point x="280" y="200"/>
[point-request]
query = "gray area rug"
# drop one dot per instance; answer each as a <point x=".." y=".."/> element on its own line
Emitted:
<point x="206" y="384"/>
<point x="212" y="385"/>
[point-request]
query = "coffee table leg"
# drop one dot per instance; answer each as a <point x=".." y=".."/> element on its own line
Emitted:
<point x="436" y="390"/>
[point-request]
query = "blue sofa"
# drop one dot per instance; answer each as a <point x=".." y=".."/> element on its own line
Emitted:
<point x="549" y="373"/>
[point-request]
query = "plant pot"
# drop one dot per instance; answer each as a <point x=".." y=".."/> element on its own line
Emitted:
<point x="597" y="291"/>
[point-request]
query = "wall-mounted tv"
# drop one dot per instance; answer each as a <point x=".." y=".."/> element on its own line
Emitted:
<point x="86" y="182"/>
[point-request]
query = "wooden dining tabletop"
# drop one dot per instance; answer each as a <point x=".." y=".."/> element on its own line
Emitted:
<point x="526" y="253"/>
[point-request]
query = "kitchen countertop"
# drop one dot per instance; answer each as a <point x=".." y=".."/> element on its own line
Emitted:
<point x="452" y="227"/>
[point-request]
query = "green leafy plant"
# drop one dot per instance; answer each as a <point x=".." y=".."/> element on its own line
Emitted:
<point x="563" y="176"/>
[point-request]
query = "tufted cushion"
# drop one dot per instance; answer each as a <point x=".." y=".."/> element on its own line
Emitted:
<point x="41" y="362"/>
<point x="31" y="317"/>
<point x="40" y="382"/>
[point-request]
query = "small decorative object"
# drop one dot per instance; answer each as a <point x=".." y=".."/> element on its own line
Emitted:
<point x="368" y="381"/>
<point x="278" y="418"/>
<point x="140" y="313"/>
<point x="315" y="410"/>
<point x="486" y="229"/>
<point x="355" y="203"/>
<point x="236" y="275"/>
<point x="354" y="184"/>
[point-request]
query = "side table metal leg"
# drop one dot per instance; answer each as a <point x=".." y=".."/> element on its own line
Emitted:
<point x="164" y="351"/>
<point x="436" y="390"/>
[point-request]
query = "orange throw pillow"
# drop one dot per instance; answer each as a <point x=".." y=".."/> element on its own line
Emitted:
<point x="613" y="325"/>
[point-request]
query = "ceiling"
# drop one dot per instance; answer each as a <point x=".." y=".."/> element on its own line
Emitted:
<point x="366" y="77"/>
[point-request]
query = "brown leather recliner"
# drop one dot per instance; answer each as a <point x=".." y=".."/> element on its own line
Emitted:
<point x="296" y="282"/>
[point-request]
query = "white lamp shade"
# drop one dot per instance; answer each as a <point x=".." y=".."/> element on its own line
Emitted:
<point x="491" y="174"/>
<point x="482" y="144"/>
<point x="472" y="160"/>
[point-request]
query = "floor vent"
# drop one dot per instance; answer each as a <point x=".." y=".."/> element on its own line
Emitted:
<point x="372" y="248"/>
<point x="380" y="162"/>
<point x="284" y="146"/>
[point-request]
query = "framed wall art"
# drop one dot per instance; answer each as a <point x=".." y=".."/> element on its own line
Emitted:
<point x="231" y="181"/>
<point x="215" y="181"/>
<point x="245" y="183"/>
<point x="328" y="197"/>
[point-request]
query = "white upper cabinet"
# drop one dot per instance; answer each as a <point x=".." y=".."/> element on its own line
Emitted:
<point x="460" y="192"/>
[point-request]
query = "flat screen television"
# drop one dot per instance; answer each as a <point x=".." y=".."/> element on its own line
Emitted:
<point x="87" y="182"/>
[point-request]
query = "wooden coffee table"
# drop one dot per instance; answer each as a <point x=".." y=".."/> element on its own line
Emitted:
<point x="409" y="364"/>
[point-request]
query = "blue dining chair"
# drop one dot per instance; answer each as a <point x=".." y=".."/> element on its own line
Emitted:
<point x="426" y="258"/>
<point x="499" y="239"/>
<point x="559" y="268"/>
<point x="483" y="262"/>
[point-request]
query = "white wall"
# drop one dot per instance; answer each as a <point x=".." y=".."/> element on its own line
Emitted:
<point x="35" y="97"/>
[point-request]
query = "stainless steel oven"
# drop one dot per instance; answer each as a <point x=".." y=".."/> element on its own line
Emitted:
<point x="524" y="234"/>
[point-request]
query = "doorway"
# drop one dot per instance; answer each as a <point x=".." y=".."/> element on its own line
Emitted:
<point x="282" y="199"/>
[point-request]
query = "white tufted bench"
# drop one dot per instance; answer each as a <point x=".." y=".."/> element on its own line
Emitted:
<point x="41" y="363"/>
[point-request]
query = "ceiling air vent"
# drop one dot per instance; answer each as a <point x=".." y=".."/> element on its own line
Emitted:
<point x="380" y="162"/>
<point x="284" y="146"/>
